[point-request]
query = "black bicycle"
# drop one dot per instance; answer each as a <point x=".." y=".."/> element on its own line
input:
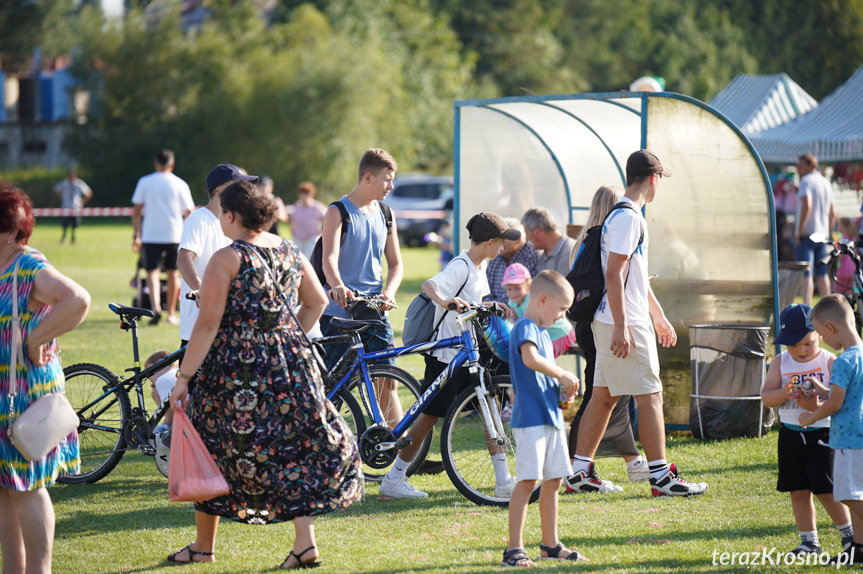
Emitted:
<point x="108" y="423"/>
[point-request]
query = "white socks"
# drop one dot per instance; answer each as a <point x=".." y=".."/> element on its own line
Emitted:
<point x="658" y="468"/>
<point x="501" y="470"/>
<point x="580" y="463"/>
<point x="399" y="469"/>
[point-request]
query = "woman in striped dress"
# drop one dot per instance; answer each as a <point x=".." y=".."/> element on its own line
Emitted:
<point x="49" y="304"/>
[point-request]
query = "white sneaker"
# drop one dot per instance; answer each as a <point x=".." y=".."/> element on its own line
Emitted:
<point x="640" y="473"/>
<point x="589" y="481"/>
<point x="163" y="452"/>
<point x="672" y="485"/>
<point x="400" y="488"/>
<point x="505" y="490"/>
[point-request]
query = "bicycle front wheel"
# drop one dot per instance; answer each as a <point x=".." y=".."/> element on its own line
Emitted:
<point x="467" y="449"/>
<point x="102" y="414"/>
<point x="395" y="391"/>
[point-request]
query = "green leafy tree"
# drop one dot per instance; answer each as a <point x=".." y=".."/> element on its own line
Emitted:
<point x="818" y="43"/>
<point x="296" y="100"/>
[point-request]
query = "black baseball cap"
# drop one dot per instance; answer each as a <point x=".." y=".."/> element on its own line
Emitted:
<point x="644" y="162"/>
<point x="795" y="322"/>
<point x="485" y="226"/>
<point x="225" y="172"/>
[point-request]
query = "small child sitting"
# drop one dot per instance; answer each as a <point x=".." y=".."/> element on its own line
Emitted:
<point x="541" y="451"/>
<point x="162" y="383"/>
<point x="805" y="460"/>
<point x="833" y="318"/>
<point x="516" y="280"/>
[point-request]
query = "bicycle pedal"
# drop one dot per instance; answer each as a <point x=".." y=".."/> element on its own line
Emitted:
<point x="146" y="450"/>
<point x="403" y="442"/>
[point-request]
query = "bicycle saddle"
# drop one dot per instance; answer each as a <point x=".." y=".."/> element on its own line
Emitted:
<point x="130" y="312"/>
<point x="351" y="325"/>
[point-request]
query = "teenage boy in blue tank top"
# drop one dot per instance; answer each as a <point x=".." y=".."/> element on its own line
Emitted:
<point x="357" y="264"/>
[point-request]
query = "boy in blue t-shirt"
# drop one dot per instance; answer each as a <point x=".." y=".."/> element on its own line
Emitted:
<point x="541" y="451"/>
<point x="833" y="318"/>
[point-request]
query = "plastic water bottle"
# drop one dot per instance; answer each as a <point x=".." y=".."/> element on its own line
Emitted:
<point x="564" y="402"/>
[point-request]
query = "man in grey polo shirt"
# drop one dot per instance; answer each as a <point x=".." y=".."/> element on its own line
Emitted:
<point x="541" y="230"/>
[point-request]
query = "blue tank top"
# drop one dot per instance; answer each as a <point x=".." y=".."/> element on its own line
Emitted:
<point x="361" y="253"/>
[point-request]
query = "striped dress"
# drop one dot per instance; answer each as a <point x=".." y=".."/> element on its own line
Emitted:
<point x="32" y="382"/>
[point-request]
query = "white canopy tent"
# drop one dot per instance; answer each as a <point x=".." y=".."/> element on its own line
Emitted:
<point x="760" y="102"/>
<point x="833" y="131"/>
<point x="712" y="240"/>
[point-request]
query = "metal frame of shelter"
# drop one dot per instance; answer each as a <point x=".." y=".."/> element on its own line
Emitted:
<point x="712" y="225"/>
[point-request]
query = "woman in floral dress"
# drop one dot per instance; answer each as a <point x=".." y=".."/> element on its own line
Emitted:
<point x="259" y="403"/>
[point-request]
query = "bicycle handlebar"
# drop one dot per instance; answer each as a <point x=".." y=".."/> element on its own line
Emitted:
<point x="481" y="308"/>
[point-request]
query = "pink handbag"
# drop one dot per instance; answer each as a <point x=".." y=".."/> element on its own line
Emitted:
<point x="50" y="418"/>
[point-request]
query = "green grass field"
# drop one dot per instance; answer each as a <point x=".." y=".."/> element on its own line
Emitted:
<point x="125" y="523"/>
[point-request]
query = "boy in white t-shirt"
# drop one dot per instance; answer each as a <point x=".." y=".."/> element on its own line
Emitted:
<point x="202" y="237"/>
<point x="805" y="460"/>
<point x="461" y="282"/>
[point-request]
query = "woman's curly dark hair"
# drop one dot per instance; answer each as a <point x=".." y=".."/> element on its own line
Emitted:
<point x="256" y="208"/>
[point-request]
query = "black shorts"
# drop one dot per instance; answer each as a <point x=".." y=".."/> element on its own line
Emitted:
<point x="70" y="221"/>
<point x="804" y="464"/>
<point x="160" y="255"/>
<point x="447" y="394"/>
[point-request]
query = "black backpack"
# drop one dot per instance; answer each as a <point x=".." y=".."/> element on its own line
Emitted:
<point x="317" y="258"/>
<point x="586" y="276"/>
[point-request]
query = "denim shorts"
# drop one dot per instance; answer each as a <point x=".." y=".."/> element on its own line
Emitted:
<point x="374" y="338"/>
<point x="808" y="250"/>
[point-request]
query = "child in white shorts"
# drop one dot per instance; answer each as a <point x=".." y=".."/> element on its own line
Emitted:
<point x="541" y="451"/>
<point x="161" y="385"/>
<point x="833" y="318"/>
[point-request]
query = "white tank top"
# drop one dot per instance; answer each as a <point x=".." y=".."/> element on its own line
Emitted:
<point x="791" y="370"/>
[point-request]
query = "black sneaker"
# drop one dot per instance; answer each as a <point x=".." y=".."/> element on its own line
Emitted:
<point x="851" y="556"/>
<point x="672" y="485"/>
<point x="806" y="548"/>
<point x="430" y="467"/>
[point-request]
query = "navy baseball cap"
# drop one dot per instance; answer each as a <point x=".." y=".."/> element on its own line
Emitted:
<point x="795" y="322"/>
<point x="225" y="172"/>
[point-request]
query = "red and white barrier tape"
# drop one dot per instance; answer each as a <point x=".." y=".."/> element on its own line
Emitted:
<point x="127" y="212"/>
<point x="84" y="211"/>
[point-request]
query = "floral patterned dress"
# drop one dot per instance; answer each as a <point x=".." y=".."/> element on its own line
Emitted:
<point x="260" y="408"/>
<point x="32" y="382"/>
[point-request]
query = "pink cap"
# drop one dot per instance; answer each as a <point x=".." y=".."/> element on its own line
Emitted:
<point x="515" y="274"/>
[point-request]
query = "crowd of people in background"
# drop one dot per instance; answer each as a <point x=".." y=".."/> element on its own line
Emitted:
<point x="247" y="296"/>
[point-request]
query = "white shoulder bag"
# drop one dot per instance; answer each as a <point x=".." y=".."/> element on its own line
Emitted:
<point x="49" y="419"/>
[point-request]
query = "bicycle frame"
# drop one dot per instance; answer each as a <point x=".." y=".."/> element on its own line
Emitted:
<point x="467" y="353"/>
<point x="136" y="380"/>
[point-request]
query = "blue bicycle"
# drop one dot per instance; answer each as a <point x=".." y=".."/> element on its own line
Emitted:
<point x="370" y="397"/>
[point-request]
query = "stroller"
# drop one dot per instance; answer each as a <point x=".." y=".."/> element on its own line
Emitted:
<point x="141" y="298"/>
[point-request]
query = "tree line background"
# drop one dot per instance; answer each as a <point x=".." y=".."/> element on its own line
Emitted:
<point x="298" y="94"/>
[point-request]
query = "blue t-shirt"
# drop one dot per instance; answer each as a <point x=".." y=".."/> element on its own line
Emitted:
<point x="846" y="426"/>
<point x="536" y="395"/>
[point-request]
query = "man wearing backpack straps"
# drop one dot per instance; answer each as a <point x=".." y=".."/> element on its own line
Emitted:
<point x="627" y="362"/>
<point x="355" y="261"/>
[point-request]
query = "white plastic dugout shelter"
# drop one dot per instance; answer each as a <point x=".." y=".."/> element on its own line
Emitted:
<point x="711" y="226"/>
